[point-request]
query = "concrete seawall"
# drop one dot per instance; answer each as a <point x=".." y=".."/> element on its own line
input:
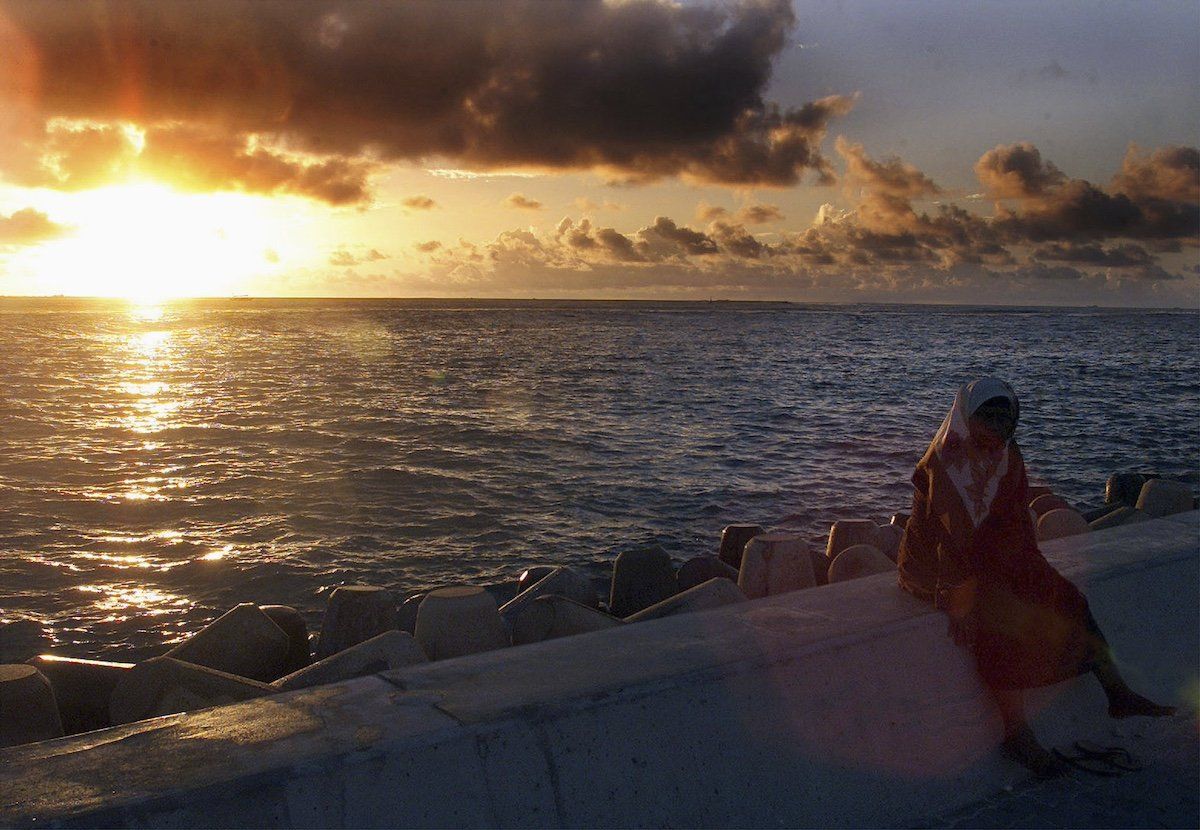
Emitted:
<point x="839" y="706"/>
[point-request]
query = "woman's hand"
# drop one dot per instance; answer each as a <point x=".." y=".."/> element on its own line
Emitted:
<point x="959" y="605"/>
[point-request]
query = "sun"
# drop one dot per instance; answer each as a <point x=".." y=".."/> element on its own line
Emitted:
<point x="148" y="242"/>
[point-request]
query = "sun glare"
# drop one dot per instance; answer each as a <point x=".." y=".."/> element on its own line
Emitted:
<point x="147" y="242"/>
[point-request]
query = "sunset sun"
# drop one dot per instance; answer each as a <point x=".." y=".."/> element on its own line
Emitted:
<point x="147" y="242"/>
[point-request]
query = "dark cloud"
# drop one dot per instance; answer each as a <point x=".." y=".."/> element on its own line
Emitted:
<point x="428" y="247"/>
<point x="522" y="202"/>
<point x="664" y="236"/>
<point x="419" y="202"/>
<point x="1125" y="255"/>
<point x="735" y="240"/>
<point x="1017" y="171"/>
<point x="28" y="227"/>
<point x="306" y="97"/>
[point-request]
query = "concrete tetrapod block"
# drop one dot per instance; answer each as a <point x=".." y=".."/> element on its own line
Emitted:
<point x="1164" y="498"/>
<point x="22" y="639"/>
<point x="889" y="540"/>
<point x="292" y="624"/>
<point x="1060" y="523"/>
<point x="733" y="542"/>
<point x="775" y="563"/>
<point x="900" y="520"/>
<point x="164" y="686"/>
<point x="243" y="641"/>
<point x="406" y="617"/>
<point x="1123" y="488"/>
<point x="1045" y="503"/>
<point x="712" y="594"/>
<point x="389" y="650"/>
<point x="849" y="532"/>
<point x="82" y="689"/>
<point x="1125" y="515"/>
<point x="353" y="614"/>
<point x="28" y="711"/>
<point x="550" y="617"/>
<point x="562" y="581"/>
<point x="820" y="566"/>
<point x="858" y="561"/>
<point x="531" y="576"/>
<point x="1036" y="490"/>
<point x="700" y="569"/>
<point x="641" y="578"/>
<point x="459" y="620"/>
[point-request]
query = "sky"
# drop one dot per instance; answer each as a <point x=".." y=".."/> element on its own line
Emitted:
<point x="947" y="152"/>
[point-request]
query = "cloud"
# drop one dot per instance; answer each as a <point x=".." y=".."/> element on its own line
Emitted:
<point x="1125" y="255"/>
<point x="428" y="247"/>
<point x="522" y="202"/>
<point x="1153" y="197"/>
<point x="664" y="237"/>
<point x="419" y="202"/>
<point x="342" y="258"/>
<point x="29" y="227"/>
<point x="589" y="206"/>
<point x="310" y="98"/>
<point x="760" y="214"/>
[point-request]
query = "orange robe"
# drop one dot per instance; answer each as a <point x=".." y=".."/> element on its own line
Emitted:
<point x="1035" y="627"/>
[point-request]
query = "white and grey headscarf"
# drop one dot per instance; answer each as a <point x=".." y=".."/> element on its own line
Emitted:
<point x="975" y="472"/>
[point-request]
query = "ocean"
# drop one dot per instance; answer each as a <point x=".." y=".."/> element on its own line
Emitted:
<point x="161" y="464"/>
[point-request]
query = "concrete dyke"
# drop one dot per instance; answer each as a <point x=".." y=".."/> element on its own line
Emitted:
<point x="550" y="617"/>
<point x="165" y="685"/>
<point x="28" y="710"/>
<point x="775" y="563"/>
<point x="242" y="641"/>
<point x="353" y="614"/>
<point x="845" y="706"/>
<point x="714" y="593"/>
<point x="82" y="689"/>
<point x="389" y="650"/>
<point x="560" y="581"/>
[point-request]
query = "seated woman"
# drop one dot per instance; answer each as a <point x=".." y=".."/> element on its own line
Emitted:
<point x="970" y="548"/>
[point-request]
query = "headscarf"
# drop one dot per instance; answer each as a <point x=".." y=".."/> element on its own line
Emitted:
<point x="974" y="471"/>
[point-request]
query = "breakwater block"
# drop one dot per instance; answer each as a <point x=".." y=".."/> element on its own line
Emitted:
<point x="561" y="581"/>
<point x="1060" y="523"/>
<point x="28" y="711"/>
<point x="458" y="620"/>
<point x="641" y="578"/>
<point x="1044" y="504"/>
<point x="1121" y="516"/>
<point x="733" y="543"/>
<point x="292" y="624"/>
<point x="700" y="569"/>
<point x="1123" y="488"/>
<point x="550" y="617"/>
<point x="243" y="641"/>
<point x="531" y="576"/>
<point x="22" y="639"/>
<point x="820" y="566"/>
<point x="406" y="617"/>
<point x="858" y="561"/>
<point x="165" y="685"/>
<point x="82" y="689"/>
<point x="1036" y="490"/>
<point x="849" y="532"/>
<point x="775" y="563"/>
<point x="900" y="520"/>
<point x="389" y="650"/>
<point x="889" y="540"/>
<point x="355" y="613"/>
<point x="1160" y="498"/>
<point x="712" y="594"/>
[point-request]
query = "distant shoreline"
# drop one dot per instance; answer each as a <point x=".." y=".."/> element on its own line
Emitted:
<point x="558" y="302"/>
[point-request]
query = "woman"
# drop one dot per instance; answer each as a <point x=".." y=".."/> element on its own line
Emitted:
<point x="970" y="548"/>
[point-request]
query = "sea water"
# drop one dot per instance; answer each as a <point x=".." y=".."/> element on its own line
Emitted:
<point x="160" y="464"/>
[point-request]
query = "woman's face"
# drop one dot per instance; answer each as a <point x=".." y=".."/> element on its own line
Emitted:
<point x="993" y="423"/>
